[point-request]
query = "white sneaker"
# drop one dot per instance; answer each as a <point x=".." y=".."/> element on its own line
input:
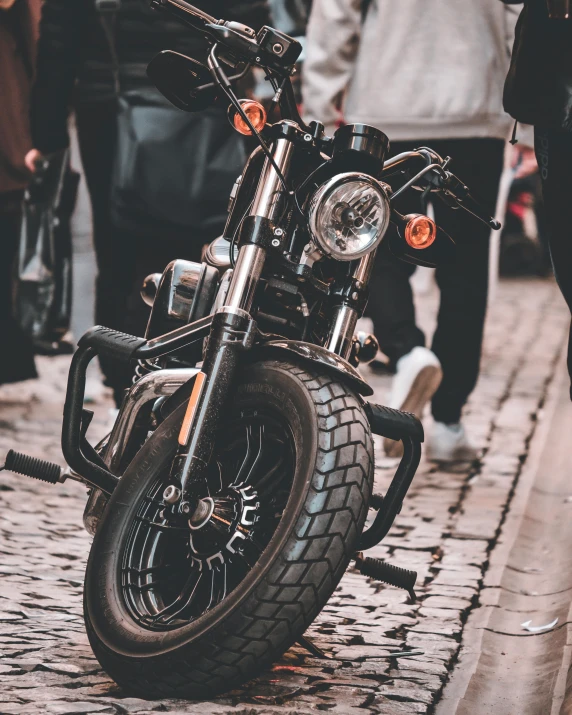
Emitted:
<point x="449" y="443"/>
<point x="416" y="380"/>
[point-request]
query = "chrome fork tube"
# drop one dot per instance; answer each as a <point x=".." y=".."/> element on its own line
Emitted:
<point x="267" y="204"/>
<point x="342" y="330"/>
<point x="270" y="192"/>
<point x="245" y="278"/>
<point x="232" y="331"/>
<point x="346" y="314"/>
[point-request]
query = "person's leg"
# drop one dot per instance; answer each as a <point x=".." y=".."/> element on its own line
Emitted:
<point x="390" y="305"/>
<point x="392" y="310"/>
<point x="554" y="155"/>
<point x="458" y="339"/>
<point x="17" y="355"/>
<point x="115" y="252"/>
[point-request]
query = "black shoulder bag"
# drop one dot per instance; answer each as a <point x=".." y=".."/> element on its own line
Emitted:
<point x="173" y="171"/>
<point x="43" y="285"/>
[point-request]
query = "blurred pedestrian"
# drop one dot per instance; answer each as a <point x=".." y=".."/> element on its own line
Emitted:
<point x="19" y="21"/>
<point x="88" y="51"/>
<point x="538" y="91"/>
<point x="426" y="73"/>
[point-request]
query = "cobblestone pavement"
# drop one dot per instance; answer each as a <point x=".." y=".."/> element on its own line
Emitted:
<point x="447" y="528"/>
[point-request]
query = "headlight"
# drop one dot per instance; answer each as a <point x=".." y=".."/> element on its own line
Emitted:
<point x="349" y="215"/>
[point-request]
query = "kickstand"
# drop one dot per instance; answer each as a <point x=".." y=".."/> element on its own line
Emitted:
<point x="312" y="648"/>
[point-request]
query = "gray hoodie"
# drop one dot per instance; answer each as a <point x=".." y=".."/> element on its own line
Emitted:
<point x="417" y="69"/>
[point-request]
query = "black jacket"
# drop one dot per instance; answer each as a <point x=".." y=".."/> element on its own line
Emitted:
<point x="538" y="88"/>
<point x="75" y="62"/>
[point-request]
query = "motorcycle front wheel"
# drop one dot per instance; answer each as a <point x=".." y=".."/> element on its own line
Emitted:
<point x="185" y="611"/>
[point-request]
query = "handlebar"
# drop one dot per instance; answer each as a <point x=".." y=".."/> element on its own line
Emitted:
<point x="185" y="7"/>
<point x="269" y="48"/>
<point x="446" y="185"/>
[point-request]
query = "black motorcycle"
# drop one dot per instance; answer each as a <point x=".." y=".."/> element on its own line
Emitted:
<point x="232" y="493"/>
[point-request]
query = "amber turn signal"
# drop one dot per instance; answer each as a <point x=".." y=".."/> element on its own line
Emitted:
<point x="255" y="113"/>
<point x="420" y="231"/>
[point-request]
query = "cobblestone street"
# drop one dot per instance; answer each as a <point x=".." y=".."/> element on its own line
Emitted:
<point x="385" y="655"/>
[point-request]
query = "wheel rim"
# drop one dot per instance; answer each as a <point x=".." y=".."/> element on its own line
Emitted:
<point x="172" y="575"/>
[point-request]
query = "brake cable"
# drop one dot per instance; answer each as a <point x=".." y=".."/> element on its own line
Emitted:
<point x="224" y="83"/>
<point x="415" y="179"/>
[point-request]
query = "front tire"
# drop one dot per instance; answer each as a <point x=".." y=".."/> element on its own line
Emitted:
<point x="207" y="651"/>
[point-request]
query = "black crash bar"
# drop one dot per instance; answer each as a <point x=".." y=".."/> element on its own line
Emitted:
<point x="402" y="426"/>
<point x="78" y="453"/>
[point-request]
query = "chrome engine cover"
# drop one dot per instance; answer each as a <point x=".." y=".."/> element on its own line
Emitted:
<point x="185" y="293"/>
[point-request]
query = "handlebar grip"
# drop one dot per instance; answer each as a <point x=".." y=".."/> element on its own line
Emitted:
<point x="186" y="7"/>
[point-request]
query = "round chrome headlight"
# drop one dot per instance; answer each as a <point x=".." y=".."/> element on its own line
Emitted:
<point x="349" y="215"/>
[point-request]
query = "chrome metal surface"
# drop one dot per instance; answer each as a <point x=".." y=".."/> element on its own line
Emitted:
<point x="323" y="195"/>
<point x="178" y="288"/>
<point x="401" y="158"/>
<point x="156" y="384"/>
<point x="172" y="494"/>
<point x="218" y="254"/>
<point x="368" y="347"/>
<point x="150" y="287"/>
<point x="268" y="204"/>
<point x="185" y="293"/>
<point x="270" y="192"/>
<point x="245" y="277"/>
<point x="342" y="331"/>
<point x="202" y="513"/>
<point x="362" y="273"/>
<point x="223" y="290"/>
<point x="164" y="344"/>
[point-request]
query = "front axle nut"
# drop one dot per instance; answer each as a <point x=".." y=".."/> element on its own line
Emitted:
<point x="172" y="494"/>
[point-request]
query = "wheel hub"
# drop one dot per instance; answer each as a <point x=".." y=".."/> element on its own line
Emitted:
<point x="221" y="524"/>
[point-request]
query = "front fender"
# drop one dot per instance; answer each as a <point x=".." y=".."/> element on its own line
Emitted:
<point x="316" y="355"/>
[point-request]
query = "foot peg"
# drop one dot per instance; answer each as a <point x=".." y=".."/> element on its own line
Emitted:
<point x="32" y="467"/>
<point x="392" y="575"/>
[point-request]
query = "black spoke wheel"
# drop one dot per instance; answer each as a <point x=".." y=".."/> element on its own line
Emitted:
<point x="194" y="609"/>
<point x="173" y="574"/>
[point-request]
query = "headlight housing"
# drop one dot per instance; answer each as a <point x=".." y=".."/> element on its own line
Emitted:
<point x="349" y="215"/>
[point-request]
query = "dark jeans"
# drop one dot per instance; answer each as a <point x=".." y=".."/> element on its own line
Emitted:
<point x="123" y="258"/>
<point x="17" y="352"/>
<point x="463" y="284"/>
<point x="554" y="155"/>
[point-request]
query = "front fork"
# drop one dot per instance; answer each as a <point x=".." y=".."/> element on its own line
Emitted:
<point x="351" y="304"/>
<point x="233" y="331"/>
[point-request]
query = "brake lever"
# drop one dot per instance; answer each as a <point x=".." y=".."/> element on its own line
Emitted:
<point x="459" y="193"/>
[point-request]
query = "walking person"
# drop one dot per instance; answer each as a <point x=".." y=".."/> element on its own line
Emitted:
<point x="426" y="74"/>
<point x="19" y="21"/>
<point x="538" y="91"/>
<point x="88" y="52"/>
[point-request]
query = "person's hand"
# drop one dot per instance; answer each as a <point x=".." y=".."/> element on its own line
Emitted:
<point x="6" y="4"/>
<point x="31" y="157"/>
